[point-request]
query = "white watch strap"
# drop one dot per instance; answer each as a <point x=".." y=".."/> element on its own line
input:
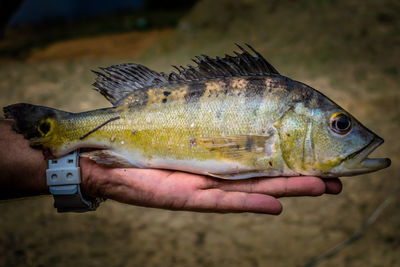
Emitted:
<point x="63" y="179"/>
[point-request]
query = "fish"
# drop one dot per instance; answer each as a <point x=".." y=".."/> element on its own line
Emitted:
<point x="231" y="117"/>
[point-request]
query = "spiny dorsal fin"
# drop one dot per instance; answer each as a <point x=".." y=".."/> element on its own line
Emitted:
<point x="120" y="80"/>
<point x="243" y="64"/>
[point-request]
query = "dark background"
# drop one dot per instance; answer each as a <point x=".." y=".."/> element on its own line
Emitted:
<point x="349" y="50"/>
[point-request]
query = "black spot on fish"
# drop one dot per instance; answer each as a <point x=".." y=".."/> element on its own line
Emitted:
<point x="309" y="97"/>
<point x="164" y="100"/>
<point x="193" y="141"/>
<point x="299" y="93"/>
<point x="218" y="113"/>
<point x="270" y="163"/>
<point x="44" y="127"/>
<point x="255" y="87"/>
<point x="194" y="92"/>
<point x="290" y="84"/>
<point x="166" y="93"/>
<point x="254" y="92"/>
<point x="317" y="100"/>
<point x="249" y="143"/>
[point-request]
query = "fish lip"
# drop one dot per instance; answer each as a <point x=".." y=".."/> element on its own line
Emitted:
<point x="360" y="163"/>
<point x="366" y="150"/>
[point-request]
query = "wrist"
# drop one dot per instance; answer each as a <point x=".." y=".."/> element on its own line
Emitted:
<point x="65" y="182"/>
<point x="92" y="183"/>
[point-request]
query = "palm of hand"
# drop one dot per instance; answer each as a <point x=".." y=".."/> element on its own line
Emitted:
<point x="184" y="191"/>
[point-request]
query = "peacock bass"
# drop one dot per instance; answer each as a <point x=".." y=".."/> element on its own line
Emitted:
<point x="234" y="117"/>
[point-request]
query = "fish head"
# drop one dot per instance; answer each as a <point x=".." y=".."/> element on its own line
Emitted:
<point x="328" y="142"/>
<point x="342" y="145"/>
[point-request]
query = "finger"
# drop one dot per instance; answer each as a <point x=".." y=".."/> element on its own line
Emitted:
<point x="277" y="187"/>
<point x="215" y="200"/>
<point x="297" y="186"/>
<point x="333" y="186"/>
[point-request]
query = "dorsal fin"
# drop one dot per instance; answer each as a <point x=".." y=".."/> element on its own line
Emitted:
<point x="118" y="81"/>
<point x="242" y="64"/>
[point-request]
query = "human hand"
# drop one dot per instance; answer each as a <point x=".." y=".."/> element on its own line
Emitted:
<point x="24" y="171"/>
<point x="176" y="190"/>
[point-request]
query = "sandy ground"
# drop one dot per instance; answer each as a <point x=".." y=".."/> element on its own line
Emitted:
<point x="33" y="234"/>
<point x="127" y="45"/>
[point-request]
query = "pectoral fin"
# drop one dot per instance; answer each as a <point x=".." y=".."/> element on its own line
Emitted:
<point x="234" y="146"/>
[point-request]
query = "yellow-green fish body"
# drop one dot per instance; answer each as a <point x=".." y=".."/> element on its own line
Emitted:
<point x="232" y="117"/>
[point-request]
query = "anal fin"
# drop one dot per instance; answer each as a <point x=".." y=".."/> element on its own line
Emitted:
<point x="110" y="158"/>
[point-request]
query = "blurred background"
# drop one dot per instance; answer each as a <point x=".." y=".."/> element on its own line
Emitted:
<point x="347" y="49"/>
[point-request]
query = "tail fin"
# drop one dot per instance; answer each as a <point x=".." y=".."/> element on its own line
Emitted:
<point x="31" y="120"/>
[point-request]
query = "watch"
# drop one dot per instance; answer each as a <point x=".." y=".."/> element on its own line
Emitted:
<point x="64" y="178"/>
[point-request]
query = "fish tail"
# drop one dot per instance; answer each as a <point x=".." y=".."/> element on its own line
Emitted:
<point x="34" y="122"/>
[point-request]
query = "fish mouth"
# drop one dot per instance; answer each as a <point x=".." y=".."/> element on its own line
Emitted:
<point x="358" y="162"/>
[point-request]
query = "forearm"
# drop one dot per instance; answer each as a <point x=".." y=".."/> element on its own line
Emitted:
<point x="22" y="168"/>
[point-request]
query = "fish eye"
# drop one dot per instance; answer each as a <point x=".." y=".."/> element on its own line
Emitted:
<point x="340" y="123"/>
